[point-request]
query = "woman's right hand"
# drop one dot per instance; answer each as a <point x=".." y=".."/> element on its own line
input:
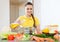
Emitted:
<point x="14" y="25"/>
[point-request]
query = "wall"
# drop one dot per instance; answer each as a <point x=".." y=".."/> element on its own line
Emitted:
<point x="37" y="10"/>
<point x="4" y="13"/>
<point x="29" y="0"/>
<point x="48" y="12"/>
<point x="14" y="13"/>
<point x="21" y="10"/>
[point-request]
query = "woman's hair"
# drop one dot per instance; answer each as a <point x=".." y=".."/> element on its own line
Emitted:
<point x="29" y="3"/>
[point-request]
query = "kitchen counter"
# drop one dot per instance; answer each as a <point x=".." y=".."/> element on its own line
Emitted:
<point x="15" y="41"/>
<point x="19" y="41"/>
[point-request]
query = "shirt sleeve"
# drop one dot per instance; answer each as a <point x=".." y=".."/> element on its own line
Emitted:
<point x="37" y="22"/>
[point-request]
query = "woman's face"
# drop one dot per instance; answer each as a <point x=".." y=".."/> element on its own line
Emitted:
<point x="28" y="10"/>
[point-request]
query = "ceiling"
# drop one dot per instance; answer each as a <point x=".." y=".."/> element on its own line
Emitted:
<point x="18" y="2"/>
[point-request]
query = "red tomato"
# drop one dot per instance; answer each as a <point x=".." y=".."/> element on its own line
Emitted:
<point x="11" y="37"/>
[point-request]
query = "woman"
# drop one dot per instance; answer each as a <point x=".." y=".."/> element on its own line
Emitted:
<point x="28" y="20"/>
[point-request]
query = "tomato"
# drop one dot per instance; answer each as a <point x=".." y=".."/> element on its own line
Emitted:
<point x="11" y="37"/>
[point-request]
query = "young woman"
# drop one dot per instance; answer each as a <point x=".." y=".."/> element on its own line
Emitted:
<point x="30" y="21"/>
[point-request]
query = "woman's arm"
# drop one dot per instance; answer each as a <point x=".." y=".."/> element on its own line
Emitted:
<point x="15" y="24"/>
<point x="38" y="31"/>
<point x="18" y="21"/>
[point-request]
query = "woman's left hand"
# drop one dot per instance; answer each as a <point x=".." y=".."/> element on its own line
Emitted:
<point x="40" y="32"/>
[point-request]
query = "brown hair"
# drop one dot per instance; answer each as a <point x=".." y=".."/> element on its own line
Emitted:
<point x="29" y="3"/>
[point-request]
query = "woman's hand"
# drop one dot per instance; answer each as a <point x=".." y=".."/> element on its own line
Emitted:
<point x="14" y="25"/>
<point x="40" y="32"/>
<point x="37" y="30"/>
